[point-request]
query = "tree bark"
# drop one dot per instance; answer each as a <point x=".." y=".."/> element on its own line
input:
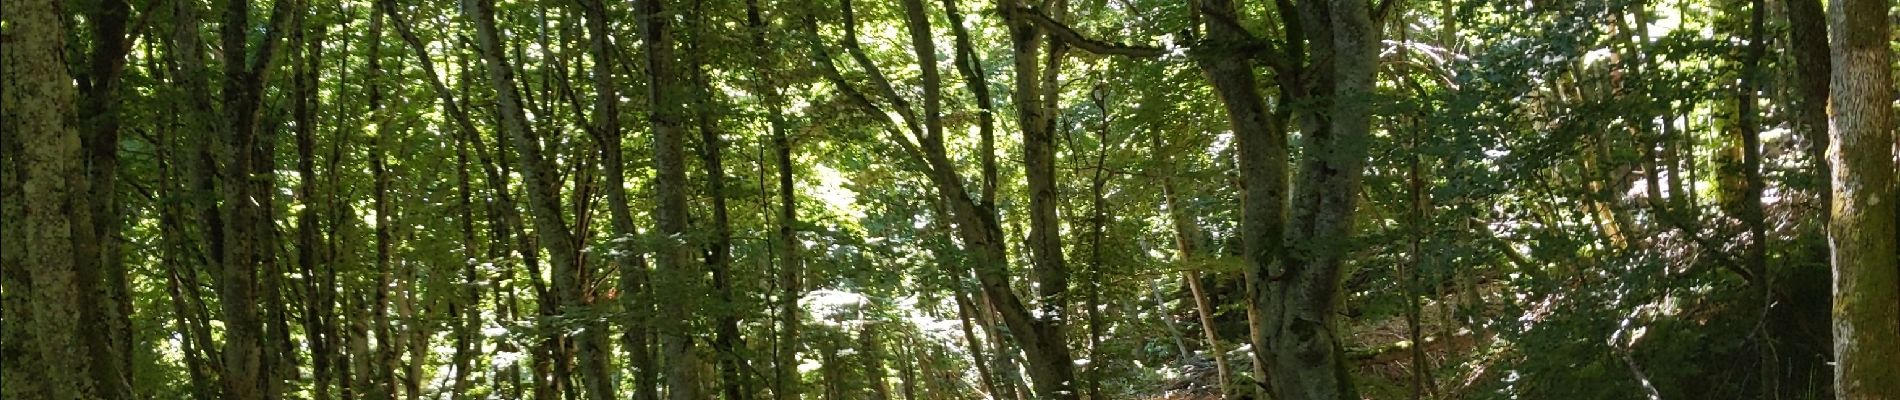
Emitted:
<point x="1263" y="163"/>
<point x="1807" y="41"/>
<point x="48" y="212"/>
<point x="1753" y="217"/>
<point x="245" y="74"/>
<point x="1301" y="331"/>
<point x="665" y="113"/>
<point x="306" y="58"/>
<point x="595" y="355"/>
<point x="383" y="371"/>
<point x="1866" y="273"/>
<point x="467" y="307"/>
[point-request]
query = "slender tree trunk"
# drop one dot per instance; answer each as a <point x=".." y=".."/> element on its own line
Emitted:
<point x="665" y="113"/>
<point x="596" y="356"/>
<point x="383" y="371"/>
<point x="907" y="369"/>
<point x="719" y="249"/>
<point x="245" y="375"/>
<point x="1099" y="221"/>
<point x="790" y="269"/>
<point x="831" y="373"/>
<point x="1167" y="321"/>
<point x="278" y="356"/>
<point x="306" y="68"/>
<point x="870" y="348"/>
<point x="543" y="189"/>
<point x="1187" y="249"/>
<point x="627" y="256"/>
<point x="1866" y="273"/>
<point x="466" y="307"/>
<point x="109" y="326"/>
<point x="1755" y="254"/>
<point x="1420" y="224"/>
<point x="1807" y="40"/>
<point x="966" y="307"/>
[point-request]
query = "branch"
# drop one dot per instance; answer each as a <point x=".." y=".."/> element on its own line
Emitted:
<point x="1073" y="38"/>
<point x="864" y="103"/>
<point x="1383" y="10"/>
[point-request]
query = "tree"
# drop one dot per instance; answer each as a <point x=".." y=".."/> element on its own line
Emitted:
<point x="53" y="217"/>
<point x="665" y="114"/>
<point x="1455" y="199"/>
<point x="1861" y="229"/>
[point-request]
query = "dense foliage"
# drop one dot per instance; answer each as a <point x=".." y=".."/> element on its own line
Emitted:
<point x="1056" y="199"/>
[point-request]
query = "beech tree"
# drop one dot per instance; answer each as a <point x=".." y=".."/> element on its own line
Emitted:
<point x="1143" y="199"/>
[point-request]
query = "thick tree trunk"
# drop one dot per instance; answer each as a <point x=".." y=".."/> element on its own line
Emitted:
<point x="1263" y="164"/>
<point x="1866" y="273"/>
<point x="1301" y="332"/>
<point x="48" y="213"/>
<point x="16" y="346"/>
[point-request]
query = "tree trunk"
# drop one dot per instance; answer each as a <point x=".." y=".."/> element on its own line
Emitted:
<point x="665" y="113"/>
<point x="306" y="58"/>
<point x="383" y="371"/>
<point x="871" y="356"/>
<point x="1167" y="321"/>
<point x="544" y="201"/>
<point x="48" y="212"/>
<point x="1807" y="37"/>
<point x="242" y="253"/>
<point x="1866" y="273"/>
<point x="109" y="326"/>
<point x="1300" y="331"/>
<point x="1099" y="221"/>
<point x="1263" y="169"/>
<point x="466" y="307"/>
<point x="625" y="252"/>
<point x="1187" y="241"/>
<point x="791" y="265"/>
<point x="965" y="307"/>
<point x="1755" y="254"/>
<point x="726" y="340"/>
<point x="595" y="354"/>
